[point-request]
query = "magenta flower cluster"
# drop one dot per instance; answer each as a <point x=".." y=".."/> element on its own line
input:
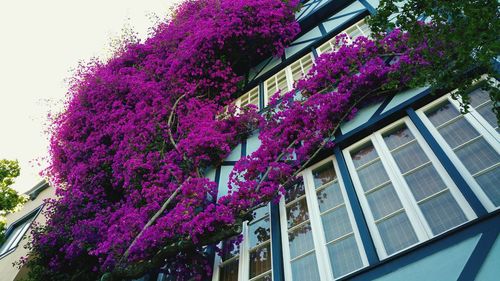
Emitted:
<point x="145" y="126"/>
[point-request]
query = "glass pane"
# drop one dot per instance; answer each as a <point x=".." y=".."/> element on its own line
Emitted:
<point x="229" y="249"/>
<point x="477" y="156"/>
<point x="397" y="233"/>
<point x="383" y="202"/>
<point x="229" y="271"/>
<point x="336" y="224"/>
<point x="324" y="174"/>
<point x="364" y="155"/>
<point x="458" y="132"/>
<point x="297" y="212"/>
<point x="398" y="137"/>
<point x="490" y="183"/>
<point x="260" y="260"/>
<point x="372" y="175"/>
<point x="259" y="232"/>
<point x="442" y="212"/>
<point x="424" y="182"/>
<point x="344" y="256"/>
<point x="409" y="157"/>
<point x="300" y="240"/>
<point x="260" y="212"/>
<point x="305" y="268"/>
<point x="442" y="113"/>
<point x="329" y="197"/>
<point x="478" y="97"/>
<point x="295" y="191"/>
<point x="486" y="111"/>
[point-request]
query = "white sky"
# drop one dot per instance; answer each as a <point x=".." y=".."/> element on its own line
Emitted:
<point x="40" y="42"/>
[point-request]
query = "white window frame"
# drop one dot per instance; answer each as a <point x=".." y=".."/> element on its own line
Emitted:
<point x="288" y="75"/>
<point x="244" y="255"/>
<point x="246" y="96"/>
<point x="408" y="202"/>
<point x="331" y="41"/>
<point x="479" y="124"/>
<point x="320" y="247"/>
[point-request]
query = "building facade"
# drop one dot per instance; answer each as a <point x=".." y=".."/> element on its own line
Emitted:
<point x="411" y="190"/>
<point x="18" y="229"/>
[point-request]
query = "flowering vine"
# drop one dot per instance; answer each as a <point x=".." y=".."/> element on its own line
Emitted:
<point x="130" y="151"/>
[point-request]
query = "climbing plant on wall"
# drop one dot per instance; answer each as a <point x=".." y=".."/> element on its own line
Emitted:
<point x="130" y="152"/>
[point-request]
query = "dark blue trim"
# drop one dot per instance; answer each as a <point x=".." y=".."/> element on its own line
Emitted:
<point x="314" y="53"/>
<point x="478" y="256"/>
<point x="448" y="165"/>
<point x="261" y="96"/>
<point x="244" y="148"/>
<point x="305" y="41"/>
<point x="277" y="254"/>
<point x="322" y="29"/>
<point x="368" y="6"/>
<point x="228" y="163"/>
<point x="428" y="248"/>
<point x="357" y="12"/>
<point x="217" y="176"/>
<point x="384" y="104"/>
<point x="32" y="214"/>
<point x="382" y="120"/>
<point x="260" y="70"/>
<point x="366" y="239"/>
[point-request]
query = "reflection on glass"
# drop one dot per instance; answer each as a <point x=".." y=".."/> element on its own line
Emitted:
<point x="364" y="155"/>
<point x="324" y="174"/>
<point x="297" y="212"/>
<point x="295" y="191"/>
<point x="259" y="232"/>
<point x="229" y="248"/>
<point x="398" y="137"/>
<point x="329" y="197"/>
<point x="300" y="240"/>
<point x="260" y="260"/>
<point x="229" y="271"/>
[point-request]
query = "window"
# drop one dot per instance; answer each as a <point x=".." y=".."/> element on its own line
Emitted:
<point x="360" y="28"/>
<point x="320" y="227"/>
<point x="16" y="232"/>
<point x="406" y="195"/>
<point x="250" y="97"/>
<point x="277" y="82"/>
<point x="301" y="67"/>
<point x="472" y="141"/>
<point x="252" y="259"/>
<point x="283" y="80"/>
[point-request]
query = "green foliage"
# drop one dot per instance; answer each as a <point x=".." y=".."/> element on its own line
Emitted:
<point x="10" y="200"/>
<point x="469" y="28"/>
